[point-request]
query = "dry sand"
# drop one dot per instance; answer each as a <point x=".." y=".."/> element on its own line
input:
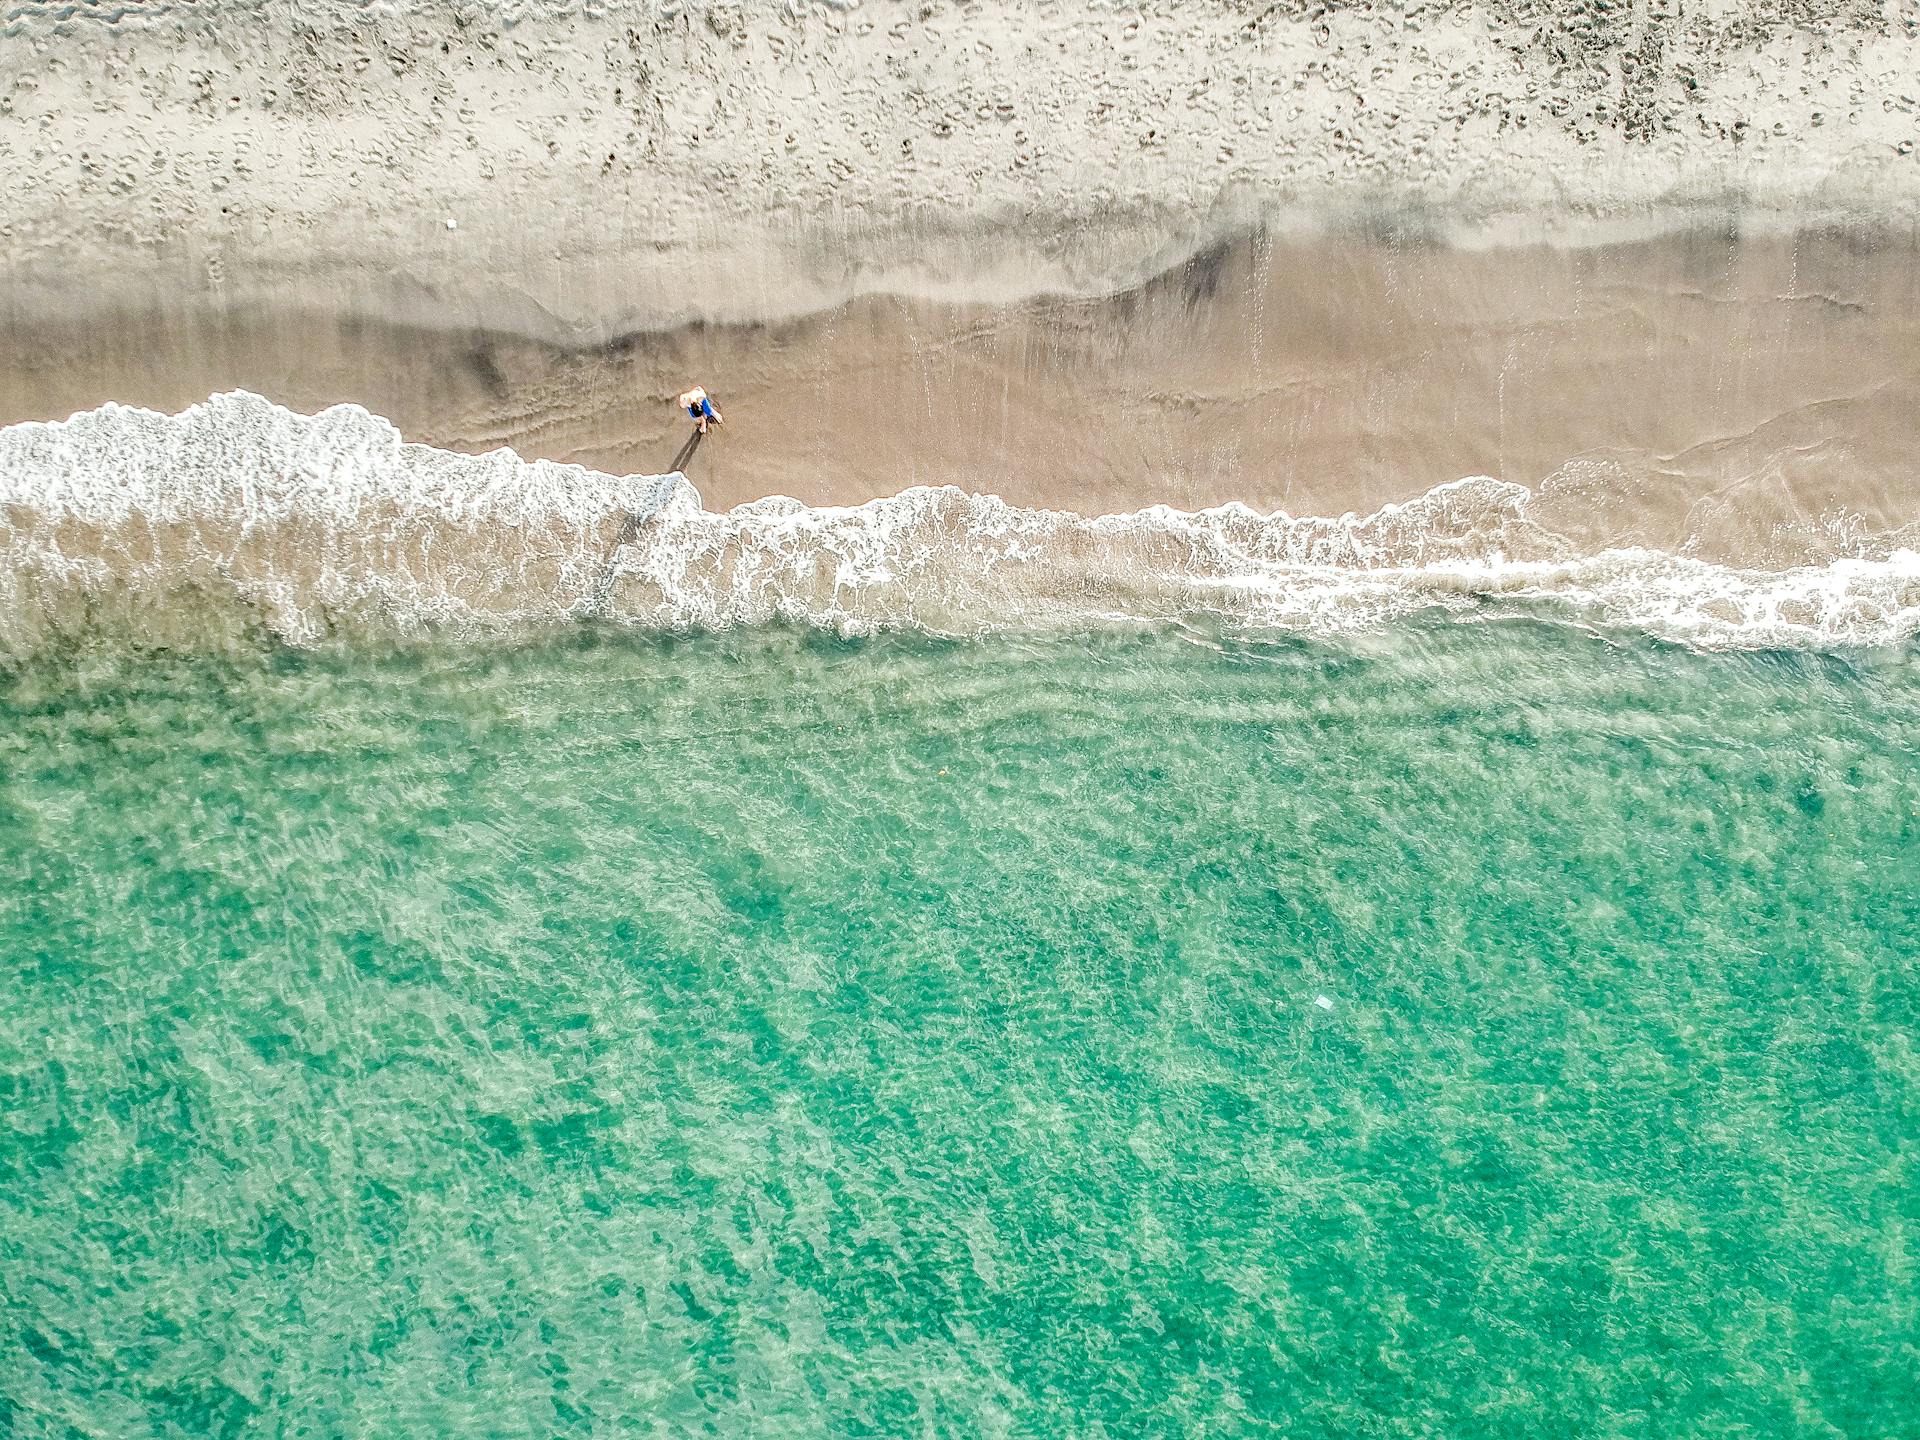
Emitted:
<point x="1661" y="263"/>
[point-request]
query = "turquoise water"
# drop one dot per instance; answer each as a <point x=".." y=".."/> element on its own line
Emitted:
<point x="770" y="1034"/>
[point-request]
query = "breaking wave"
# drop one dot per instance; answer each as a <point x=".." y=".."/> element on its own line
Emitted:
<point x="328" y="524"/>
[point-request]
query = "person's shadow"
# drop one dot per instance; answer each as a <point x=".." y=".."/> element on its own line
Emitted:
<point x="679" y="465"/>
<point x="631" y="528"/>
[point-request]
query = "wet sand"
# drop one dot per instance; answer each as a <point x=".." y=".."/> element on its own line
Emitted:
<point x="1699" y="388"/>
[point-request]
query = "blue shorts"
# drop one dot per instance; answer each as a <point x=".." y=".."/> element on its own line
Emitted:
<point x="704" y="408"/>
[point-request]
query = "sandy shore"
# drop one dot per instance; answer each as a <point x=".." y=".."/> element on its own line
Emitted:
<point x="1660" y="266"/>
<point x="634" y="166"/>
<point x="1690" y="388"/>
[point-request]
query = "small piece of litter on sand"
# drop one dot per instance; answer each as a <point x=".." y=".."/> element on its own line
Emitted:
<point x="453" y="224"/>
<point x="1325" y="1002"/>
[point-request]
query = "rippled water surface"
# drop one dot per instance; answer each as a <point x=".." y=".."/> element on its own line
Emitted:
<point x="1464" y="1030"/>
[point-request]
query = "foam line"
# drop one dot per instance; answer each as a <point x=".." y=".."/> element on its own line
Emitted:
<point x="313" y="525"/>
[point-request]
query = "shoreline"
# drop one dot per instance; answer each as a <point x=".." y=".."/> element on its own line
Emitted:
<point x="1661" y="270"/>
<point x="239" y="518"/>
<point x="1694" y="390"/>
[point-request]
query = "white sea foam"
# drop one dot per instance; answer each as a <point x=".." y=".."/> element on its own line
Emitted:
<point x="315" y="524"/>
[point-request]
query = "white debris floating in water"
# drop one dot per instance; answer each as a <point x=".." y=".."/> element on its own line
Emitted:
<point x="1325" y="1002"/>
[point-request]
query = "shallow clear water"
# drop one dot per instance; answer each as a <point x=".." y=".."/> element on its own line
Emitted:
<point x="771" y="1034"/>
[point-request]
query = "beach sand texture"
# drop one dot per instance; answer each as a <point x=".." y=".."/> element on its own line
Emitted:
<point x="1656" y="261"/>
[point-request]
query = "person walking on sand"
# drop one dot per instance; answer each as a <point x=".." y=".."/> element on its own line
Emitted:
<point x="699" y="406"/>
